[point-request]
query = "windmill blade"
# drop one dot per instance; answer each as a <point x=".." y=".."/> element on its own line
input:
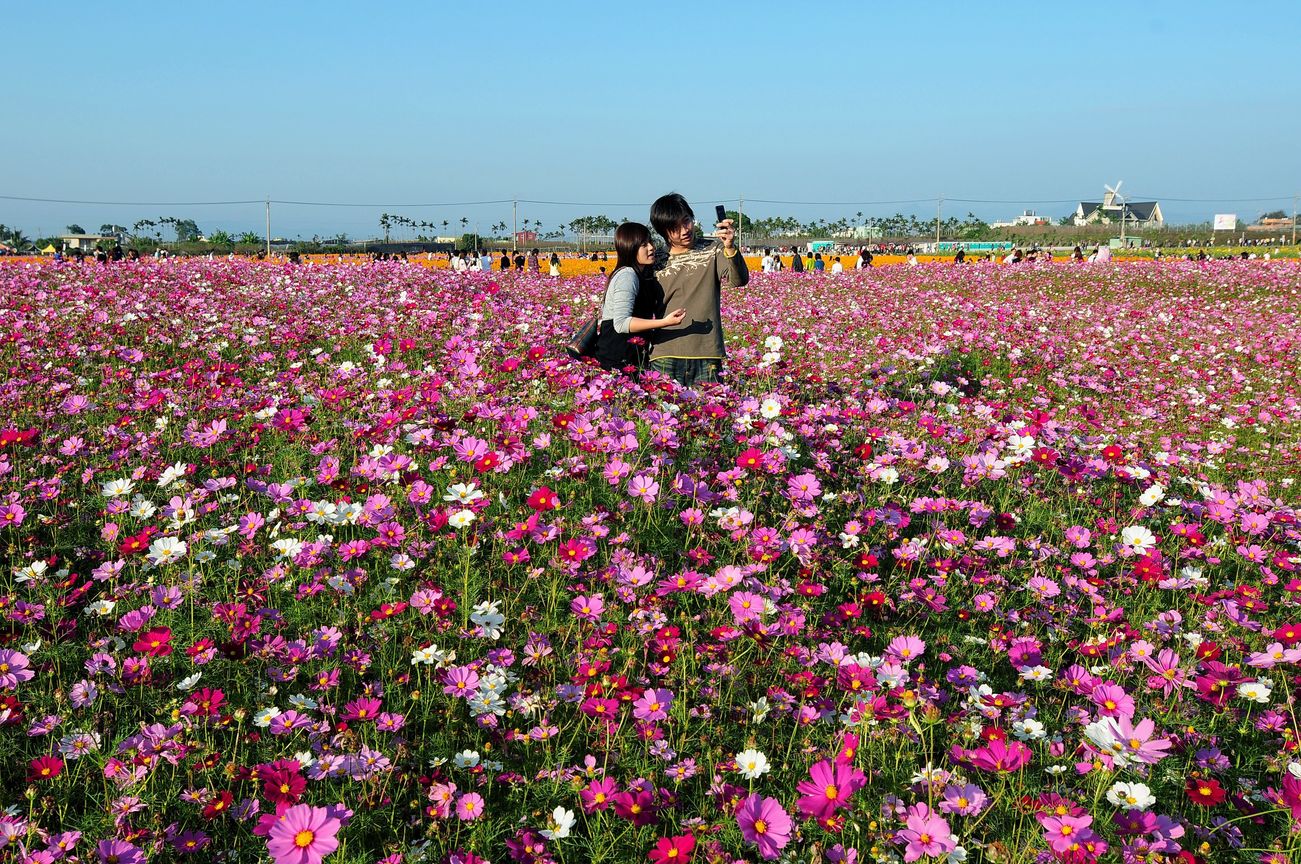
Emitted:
<point x="1119" y="183"/>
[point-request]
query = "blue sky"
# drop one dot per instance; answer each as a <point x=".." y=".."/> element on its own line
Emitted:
<point x="613" y="104"/>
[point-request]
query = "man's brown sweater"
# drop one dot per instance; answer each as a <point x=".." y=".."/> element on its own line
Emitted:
<point x="695" y="281"/>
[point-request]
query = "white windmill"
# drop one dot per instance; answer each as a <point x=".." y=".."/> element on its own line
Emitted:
<point x="1113" y="198"/>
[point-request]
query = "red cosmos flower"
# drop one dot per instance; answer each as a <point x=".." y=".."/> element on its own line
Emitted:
<point x="217" y="805"/>
<point x="156" y="643"/>
<point x="1207" y="651"/>
<point x="1149" y="568"/>
<point x="25" y="437"/>
<point x="135" y="544"/>
<point x="867" y="561"/>
<point x="544" y="499"/>
<point x="562" y="421"/>
<point x="750" y="458"/>
<point x="281" y="785"/>
<point x="44" y="768"/>
<point x="1114" y="454"/>
<point x="672" y="850"/>
<point x="487" y="462"/>
<point x="1206" y="792"/>
<point x="206" y="702"/>
<point x="863" y="451"/>
<point x="388" y="610"/>
<point x="1044" y="456"/>
<point x="1288" y="634"/>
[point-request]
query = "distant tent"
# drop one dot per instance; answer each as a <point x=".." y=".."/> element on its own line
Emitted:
<point x="49" y="250"/>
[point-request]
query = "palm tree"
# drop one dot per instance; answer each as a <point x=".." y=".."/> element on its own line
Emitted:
<point x="14" y="239"/>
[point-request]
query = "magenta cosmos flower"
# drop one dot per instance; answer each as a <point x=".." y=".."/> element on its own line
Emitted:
<point x="925" y="833"/>
<point x="828" y="788"/>
<point x="764" y="823"/>
<point x="303" y="835"/>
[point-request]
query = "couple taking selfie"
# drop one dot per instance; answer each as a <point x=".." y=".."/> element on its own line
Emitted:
<point x="669" y="297"/>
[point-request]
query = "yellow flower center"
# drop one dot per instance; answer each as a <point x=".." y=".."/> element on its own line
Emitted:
<point x="303" y="839"/>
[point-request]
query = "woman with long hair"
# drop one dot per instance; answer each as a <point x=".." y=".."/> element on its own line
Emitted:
<point x="631" y="301"/>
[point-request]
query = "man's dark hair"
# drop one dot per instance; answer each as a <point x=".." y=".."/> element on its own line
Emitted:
<point x="669" y="212"/>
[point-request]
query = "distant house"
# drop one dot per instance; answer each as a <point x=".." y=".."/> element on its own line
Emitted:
<point x="84" y="242"/>
<point x="526" y="237"/>
<point x="1271" y="223"/>
<point x="1139" y="214"/>
<point x="1027" y="217"/>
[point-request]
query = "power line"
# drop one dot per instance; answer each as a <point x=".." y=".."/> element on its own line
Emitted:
<point x="130" y="203"/>
<point x="619" y="204"/>
<point x="395" y="206"/>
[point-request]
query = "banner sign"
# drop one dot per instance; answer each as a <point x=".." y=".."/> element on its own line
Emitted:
<point x="1226" y="222"/>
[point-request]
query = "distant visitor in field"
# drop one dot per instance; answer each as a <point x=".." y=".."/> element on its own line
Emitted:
<point x="632" y="301"/>
<point x="693" y="274"/>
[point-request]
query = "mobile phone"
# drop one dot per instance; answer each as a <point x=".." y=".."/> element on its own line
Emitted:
<point x="720" y="211"/>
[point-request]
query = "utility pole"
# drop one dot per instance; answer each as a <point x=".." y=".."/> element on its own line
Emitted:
<point x="514" y="221"/>
<point x="1294" y="197"/>
<point x="939" y="208"/>
<point x="740" y="219"/>
<point x="268" y="226"/>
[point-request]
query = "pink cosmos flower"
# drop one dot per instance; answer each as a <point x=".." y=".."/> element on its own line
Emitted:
<point x="14" y="669"/>
<point x="1065" y="833"/>
<point x="653" y="705"/>
<point x="589" y="608"/>
<point x="926" y="833"/>
<point x="905" y="648"/>
<point x="745" y="606"/>
<point x="1113" y="701"/>
<point x="1000" y="756"/>
<point x="469" y="807"/>
<point x="828" y="788"/>
<point x="643" y="487"/>
<point x="303" y="835"/>
<point x="764" y="823"/>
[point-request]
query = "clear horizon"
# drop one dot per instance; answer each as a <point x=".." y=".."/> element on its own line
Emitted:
<point x="1032" y="107"/>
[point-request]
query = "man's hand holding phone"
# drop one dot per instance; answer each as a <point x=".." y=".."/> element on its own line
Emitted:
<point x="725" y="227"/>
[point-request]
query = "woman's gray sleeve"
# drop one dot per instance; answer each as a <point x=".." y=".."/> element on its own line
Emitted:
<point x="619" y="298"/>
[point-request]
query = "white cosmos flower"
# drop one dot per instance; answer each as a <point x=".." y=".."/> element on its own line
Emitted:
<point x="1029" y="730"/>
<point x="1256" y="691"/>
<point x="559" y="824"/>
<point x="288" y="547"/>
<point x="100" y="608"/>
<point x="165" y="550"/>
<point x="264" y="716"/>
<point x="463" y="493"/>
<point x="189" y="681"/>
<point x="1131" y="796"/>
<point x="461" y="518"/>
<point x="1152" y="494"/>
<point x="770" y="409"/>
<point x="466" y="759"/>
<point x="773" y="343"/>
<point x="172" y="474"/>
<point x="1138" y="537"/>
<point x="426" y="656"/>
<point x="117" y="488"/>
<point x="752" y="764"/>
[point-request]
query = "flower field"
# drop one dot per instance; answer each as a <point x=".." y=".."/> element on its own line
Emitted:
<point x="353" y="563"/>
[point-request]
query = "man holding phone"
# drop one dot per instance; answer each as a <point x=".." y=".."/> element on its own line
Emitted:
<point x="692" y="274"/>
